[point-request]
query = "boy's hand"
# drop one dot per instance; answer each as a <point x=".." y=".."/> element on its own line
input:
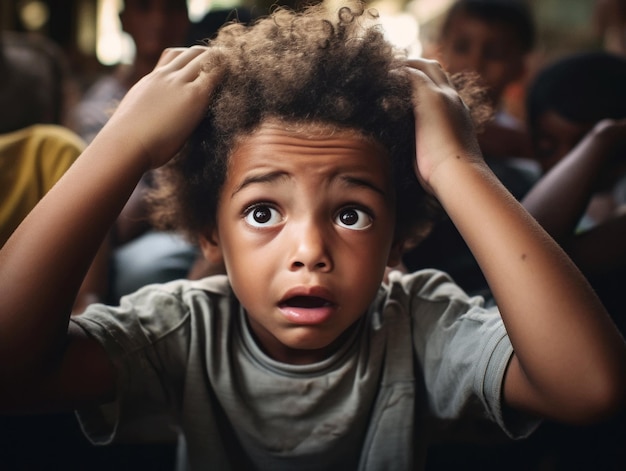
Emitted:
<point x="161" y="110"/>
<point x="443" y="126"/>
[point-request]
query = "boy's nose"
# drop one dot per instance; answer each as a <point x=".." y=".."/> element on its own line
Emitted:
<point x="310" y="249"/>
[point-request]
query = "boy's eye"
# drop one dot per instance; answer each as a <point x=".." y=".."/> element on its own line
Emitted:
<point x="262" y="215"/>
<point x="354" y="219"/>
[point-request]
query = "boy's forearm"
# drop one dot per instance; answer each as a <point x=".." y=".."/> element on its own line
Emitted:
<point x="559" y="329"/>
<point x="43" y="264"/>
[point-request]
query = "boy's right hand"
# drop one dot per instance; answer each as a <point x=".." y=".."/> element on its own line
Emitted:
<point x="443" y="125"/>
<point x="160" y="111"/>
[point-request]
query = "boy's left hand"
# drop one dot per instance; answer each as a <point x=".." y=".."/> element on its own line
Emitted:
<point x="443" y="125"/>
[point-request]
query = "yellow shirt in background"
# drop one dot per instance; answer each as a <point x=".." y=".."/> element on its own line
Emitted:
<point x="31" y="161"/>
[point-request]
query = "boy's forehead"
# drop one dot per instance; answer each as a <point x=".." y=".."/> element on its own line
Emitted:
<point x="308" y="149"/>
<point x="275" y="130"/>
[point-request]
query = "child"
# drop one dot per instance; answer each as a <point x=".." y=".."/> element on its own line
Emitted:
<point x="301" y="156"/>
<point x="492" y="38"/>
<point x="578" y="126"/>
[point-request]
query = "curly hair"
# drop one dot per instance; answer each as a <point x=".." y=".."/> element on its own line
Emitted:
<point x="298" y="67"/>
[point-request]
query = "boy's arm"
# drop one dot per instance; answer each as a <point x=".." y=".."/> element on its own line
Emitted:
<point x="42" y="365"/>
<point x="570" y="361"/>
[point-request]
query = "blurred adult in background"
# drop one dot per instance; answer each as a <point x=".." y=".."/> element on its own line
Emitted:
<point x="36" y="148"/>
<point x="153" y="26"/>
<point x="37" y="83"/>
<point x="141" y="255"/>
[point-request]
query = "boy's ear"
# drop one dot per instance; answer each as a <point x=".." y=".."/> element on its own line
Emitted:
<point x="395" y="254"/>
<point x="210" y="247"/>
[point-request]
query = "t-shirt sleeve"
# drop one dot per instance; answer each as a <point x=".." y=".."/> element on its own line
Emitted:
<point x="146" y="338"/>
<point x="463" y="349"/>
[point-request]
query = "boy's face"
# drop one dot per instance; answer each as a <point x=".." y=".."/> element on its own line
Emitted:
<point x="305" y="223"/>
<point x="489" y="49"/>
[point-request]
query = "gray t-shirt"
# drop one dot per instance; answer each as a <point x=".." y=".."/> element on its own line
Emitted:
<point x="424" y="358"/>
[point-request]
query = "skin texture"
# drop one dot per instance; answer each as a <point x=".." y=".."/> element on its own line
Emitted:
<point x="558" y="328"/>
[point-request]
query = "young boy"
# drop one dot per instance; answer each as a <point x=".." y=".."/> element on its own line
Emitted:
<point x="303" y="141"/>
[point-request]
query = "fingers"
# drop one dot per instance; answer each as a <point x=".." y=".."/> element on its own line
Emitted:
<point x="431" y="69"/>
<point x="169" y="54"/>
<point x="188" y="63"/>
<point x="208" y="64"/>
<point x="178" y="57"/>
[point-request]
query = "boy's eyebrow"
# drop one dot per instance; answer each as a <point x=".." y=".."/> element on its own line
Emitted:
<point x="260" y="178"/>
<point x="274" y="176"/>
<point x="354" y="181"/>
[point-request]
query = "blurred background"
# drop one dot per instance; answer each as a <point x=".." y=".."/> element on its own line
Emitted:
<point x="90" y="32"/>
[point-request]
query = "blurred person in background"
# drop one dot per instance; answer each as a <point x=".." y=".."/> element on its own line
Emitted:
<point x="577" y="119"/>
<point x="492" y="38"/>
<point x="36" y="146"/>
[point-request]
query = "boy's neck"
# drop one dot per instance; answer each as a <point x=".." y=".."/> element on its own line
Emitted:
<point x="282" y="353"/>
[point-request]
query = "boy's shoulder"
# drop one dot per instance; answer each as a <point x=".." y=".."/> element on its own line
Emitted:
<point x="155" y="311"/>
<point x="216" y="284"/>
<point x="427" y="284"/>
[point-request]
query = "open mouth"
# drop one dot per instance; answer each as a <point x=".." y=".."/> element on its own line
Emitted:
<point x="306" y="302"/>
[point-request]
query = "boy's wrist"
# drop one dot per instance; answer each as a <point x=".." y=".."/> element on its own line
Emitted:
<point x="124" y="149"/>
<point x="449" y="175"/>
